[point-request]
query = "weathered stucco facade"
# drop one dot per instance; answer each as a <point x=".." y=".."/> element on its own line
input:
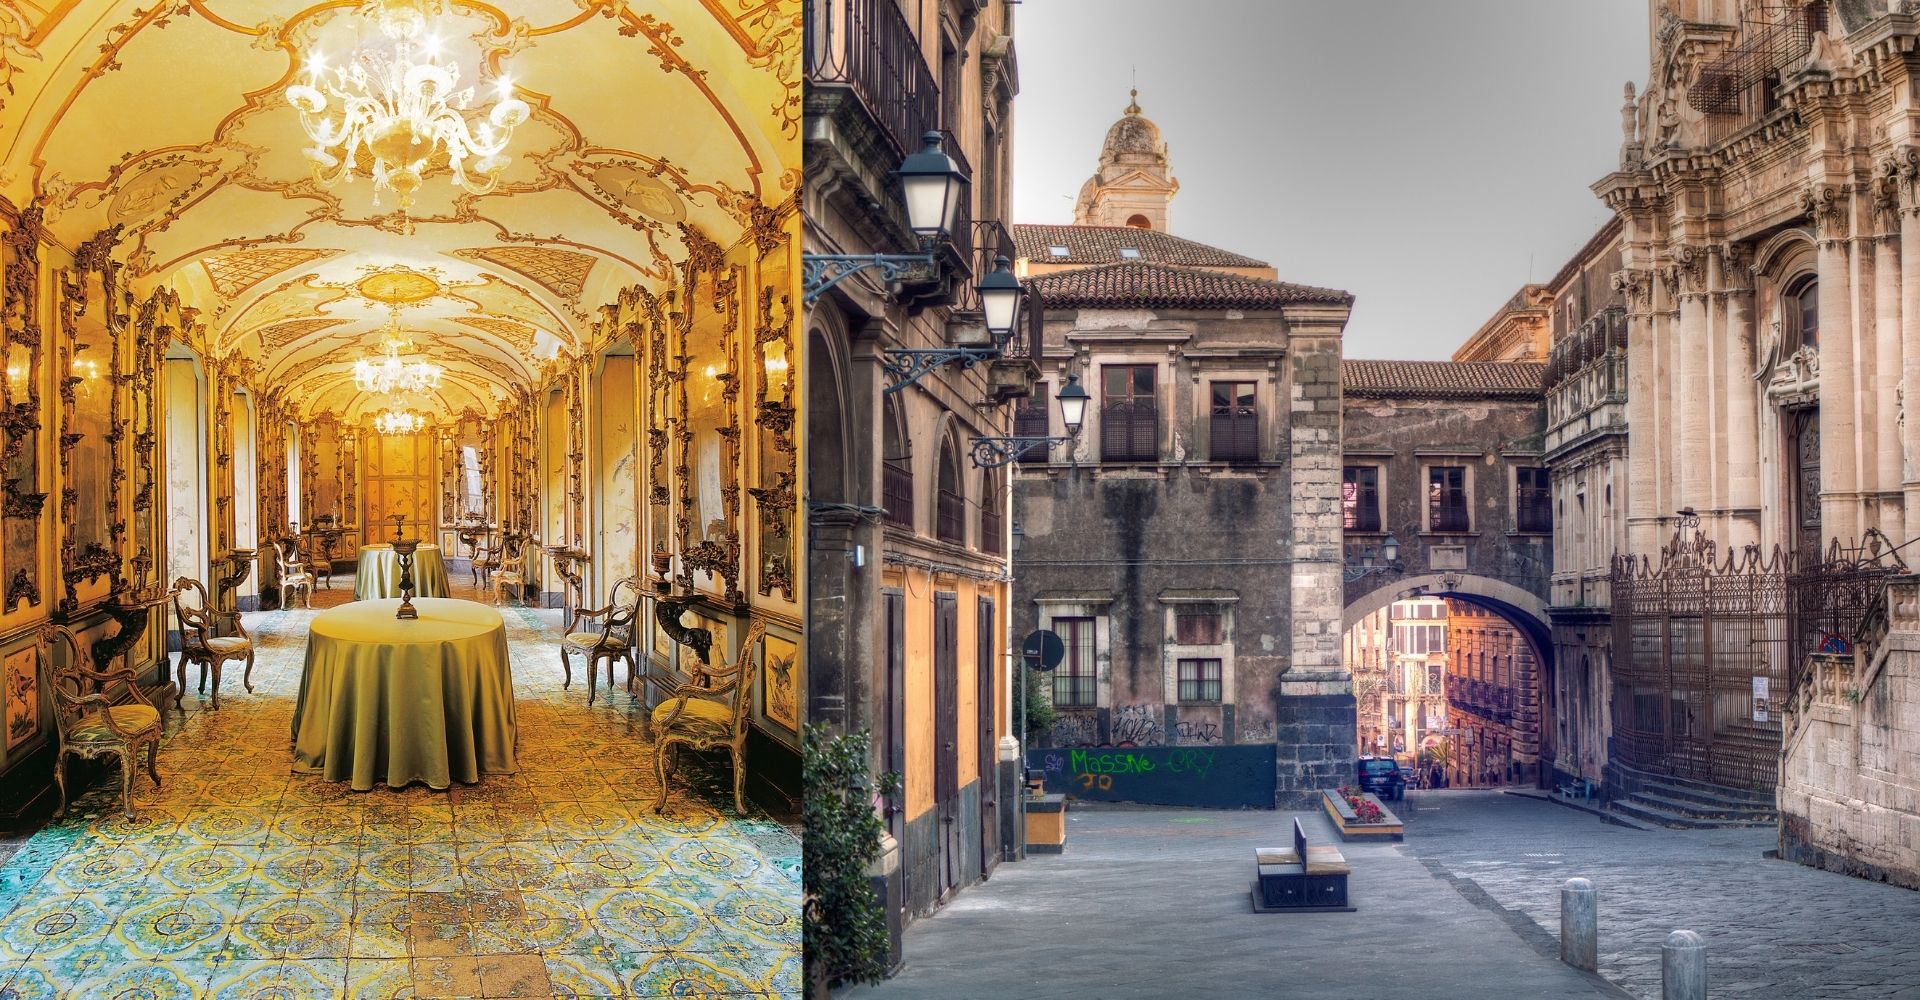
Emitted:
<point x="1184" y="545"/>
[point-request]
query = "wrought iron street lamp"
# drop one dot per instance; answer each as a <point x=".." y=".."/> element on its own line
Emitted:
<point x="1000" y="297"/>
<point x="1388" y="553"/>
<point x="993" y="452"/>
<point x="931" y="186"/>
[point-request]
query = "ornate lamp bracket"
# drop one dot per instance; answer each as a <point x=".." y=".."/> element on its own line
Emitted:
<point x="821" y="271"/>
<point x="907" y="365"/>
<point x="994" y="452"/>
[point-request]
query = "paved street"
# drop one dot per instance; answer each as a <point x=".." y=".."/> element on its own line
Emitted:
<point x="1152" y="902"/>
<point x="1773" y="928"/>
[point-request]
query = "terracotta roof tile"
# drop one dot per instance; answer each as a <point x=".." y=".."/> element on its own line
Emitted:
<point x="1153" y="286"/>
<point x="1102" y="245"/>
<point x="1444" y="379"/>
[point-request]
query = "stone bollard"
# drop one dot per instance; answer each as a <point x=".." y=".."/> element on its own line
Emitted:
<point x="1683" y="967"/>
<point x="1580" y="924"/>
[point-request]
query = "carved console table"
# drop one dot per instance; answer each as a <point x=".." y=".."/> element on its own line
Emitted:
<point x="570" y="562"/>
<point x="132" y="612"/>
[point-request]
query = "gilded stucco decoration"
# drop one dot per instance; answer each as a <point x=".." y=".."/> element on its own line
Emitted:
<point x="217" y="202"/>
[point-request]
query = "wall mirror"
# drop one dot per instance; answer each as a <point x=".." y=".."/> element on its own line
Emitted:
<point x="88" y="429"/>
<point x="709" y="468"/>
<point x="773" y="417"/>
<point x="22" y="345"/>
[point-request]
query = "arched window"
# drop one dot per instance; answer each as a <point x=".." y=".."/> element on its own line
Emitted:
<point x="991" y="525"/>
<point x="1139" y="222"/>
<point x="896" y="471"/>
<point x="951" y="523"/>
<point x="1800" y="308"/>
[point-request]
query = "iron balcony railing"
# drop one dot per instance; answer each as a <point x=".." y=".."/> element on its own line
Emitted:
<point x="1739" y="88"/>
<point x="868" y="46"/>
<point x="896" y="493"/>
<point x="951" y="517"/>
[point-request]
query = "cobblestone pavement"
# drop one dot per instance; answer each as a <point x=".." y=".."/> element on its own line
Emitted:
<point x="1153" y="903"/>
<point x="1773" y="929"/>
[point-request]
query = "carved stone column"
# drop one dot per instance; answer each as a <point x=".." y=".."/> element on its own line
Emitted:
<point x="1827" y="205"/>
<point x="1688" y="280"/>
<point x="1907" y="163"/>
<point x="1886" y="365"/>
<point x="1636" y="286"/>
<point x="1742" y="400"/>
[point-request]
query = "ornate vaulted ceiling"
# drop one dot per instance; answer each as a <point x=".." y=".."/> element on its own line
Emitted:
<point x="168" y="119"/>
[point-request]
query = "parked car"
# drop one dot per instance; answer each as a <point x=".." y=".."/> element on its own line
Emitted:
<point x="1381" y="776"/>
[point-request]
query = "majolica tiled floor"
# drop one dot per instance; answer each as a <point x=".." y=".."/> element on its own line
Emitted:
<point x="242" y="879"/>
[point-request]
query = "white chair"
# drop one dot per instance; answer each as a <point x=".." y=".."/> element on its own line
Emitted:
<point x="293" y="573"/>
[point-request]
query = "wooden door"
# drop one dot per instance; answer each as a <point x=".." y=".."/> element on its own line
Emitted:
<point x="946" y="730"/>
<point x="988" y="707"/>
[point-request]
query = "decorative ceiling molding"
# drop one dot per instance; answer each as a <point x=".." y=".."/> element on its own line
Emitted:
<point x="234" y="273"/>
<point x="562" y="272"/>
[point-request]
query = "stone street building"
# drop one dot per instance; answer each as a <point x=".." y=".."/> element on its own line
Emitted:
<point x="1184" y="545"/>
<point x="907" y="566"/>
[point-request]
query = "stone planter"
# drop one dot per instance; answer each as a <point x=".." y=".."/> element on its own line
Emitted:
<point x="1349" y="826"/>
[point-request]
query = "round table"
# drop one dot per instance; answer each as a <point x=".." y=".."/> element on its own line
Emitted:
<point x="379" y="573"/>
<point x="384" y="700"/>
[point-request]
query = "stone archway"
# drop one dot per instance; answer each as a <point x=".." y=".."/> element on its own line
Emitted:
<point x="1495" y="672"/>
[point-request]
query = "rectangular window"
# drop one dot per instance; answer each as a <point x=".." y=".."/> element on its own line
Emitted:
<point x="1129" y="414"/>
<point x="1447" y="498"/>
<point x="1360" y="498"/>
<point x="1076" y="682"/>
<point x="1235" y="432"/>
<point x="1195" y="627"/>
<point x="1199" y="680"/>
<point x="1532" y="500"/>
<point x="470" y="463"/>
<point x="1030" y="420"/>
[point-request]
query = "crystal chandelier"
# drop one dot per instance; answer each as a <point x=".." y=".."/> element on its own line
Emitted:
<point x="405" y="422"/>
<point x="400" y="110"/>
<point x="388" y="373"/>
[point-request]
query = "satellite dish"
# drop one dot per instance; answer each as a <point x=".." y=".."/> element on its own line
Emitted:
<point x="1043" y="650"/>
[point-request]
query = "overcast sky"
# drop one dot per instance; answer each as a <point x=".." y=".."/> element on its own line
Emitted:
<point x="1429" y="157"/>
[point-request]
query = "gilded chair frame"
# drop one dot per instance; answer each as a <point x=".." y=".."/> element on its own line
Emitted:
<point x="616" y="639"/>
<point x="511" y="567"/>
<point x="74" y="706"/>
<point x="730" y="687"/>
<point x="198" y="626"/>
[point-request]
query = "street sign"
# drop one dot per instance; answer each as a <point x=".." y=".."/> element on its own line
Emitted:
<point x="1043" y="650"/>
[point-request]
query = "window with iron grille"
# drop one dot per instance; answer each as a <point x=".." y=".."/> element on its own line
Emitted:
<point x="1129" y="414"/>
<point x="1532" y="500"/>
<point x="1076" y="682"/>
<point x="952" y="517"/>
<point x="896" y="491"/>
<point x="1199" y="680"/>
<point x="1447" y="498"/>
<point x="1360" y="498"/>
<point x="1235" y="433"/>
<point x="1197" y="627"/>
<point x="1030" y="420"/>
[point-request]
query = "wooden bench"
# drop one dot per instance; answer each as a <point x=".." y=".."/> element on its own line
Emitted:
<point x="1309" y="878"/>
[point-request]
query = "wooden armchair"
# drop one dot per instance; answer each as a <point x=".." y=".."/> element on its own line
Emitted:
<point x="319" y="560"/>
<point x="90" y="725"/>
<point x="708" y="714"/>
<point x="202" y="643"/>
<point x="614" y="641"/>
<point x="293" y="572"/>
<point x="510" y="569"/>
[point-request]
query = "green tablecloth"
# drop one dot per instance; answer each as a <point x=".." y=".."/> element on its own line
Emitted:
<point x="379" y="573"/>
<point x="390" y="701"/>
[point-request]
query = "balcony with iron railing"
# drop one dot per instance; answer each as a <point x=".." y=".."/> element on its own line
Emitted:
<point x="951" y="517"/>
<point x="868" y="48"/>
<point x="1740" y="88"/>
<point x="896" y="493"/>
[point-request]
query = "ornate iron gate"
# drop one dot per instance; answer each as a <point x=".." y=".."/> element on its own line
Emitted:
<point x="1708" y="649"/>
<point x="1700" y="656"/>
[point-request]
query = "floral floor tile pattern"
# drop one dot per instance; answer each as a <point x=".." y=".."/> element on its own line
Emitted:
<point x="241" y="880"/>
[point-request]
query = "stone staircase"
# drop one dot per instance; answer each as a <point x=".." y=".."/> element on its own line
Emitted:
<point x="1684" y="804"/>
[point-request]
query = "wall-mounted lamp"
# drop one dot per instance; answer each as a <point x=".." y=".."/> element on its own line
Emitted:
<point x="931" y="185"/>
<point x="993" y="452"/>
<point x="1001" y="295"/>
<point x="1388" y="554"/>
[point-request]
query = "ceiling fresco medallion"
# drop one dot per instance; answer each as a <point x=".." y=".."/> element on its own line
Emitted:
<point x="398" y="286"/>
<point x="638" y="189"/>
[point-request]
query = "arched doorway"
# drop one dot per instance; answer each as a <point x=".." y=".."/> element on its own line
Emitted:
<point x="1452" y="678"/>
